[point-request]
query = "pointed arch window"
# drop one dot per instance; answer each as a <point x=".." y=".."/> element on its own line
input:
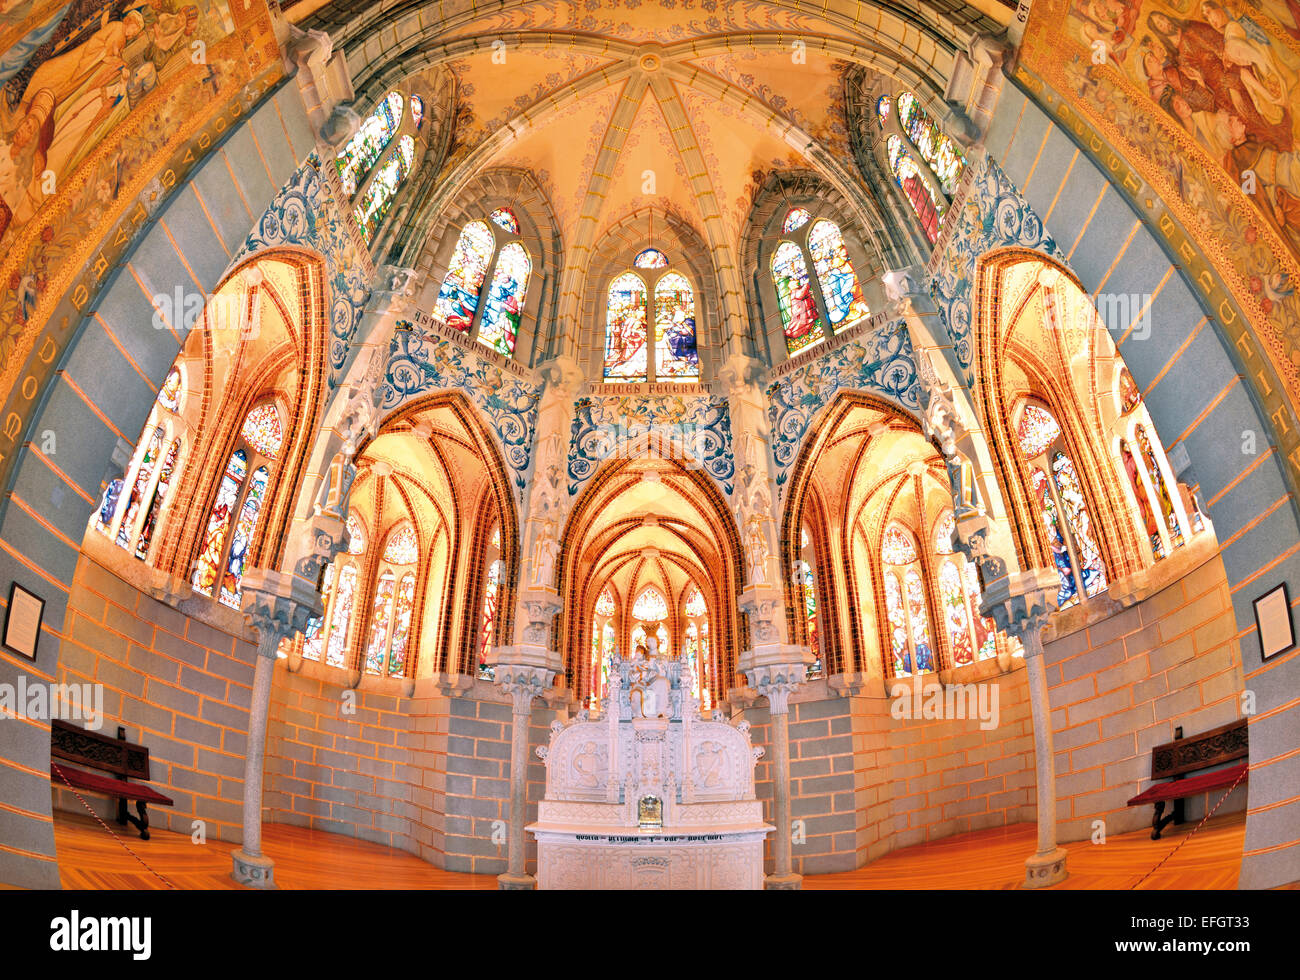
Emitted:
<point x="695" y="639"/>
<point x="232" y="521"/>
<point x="1055" y="489"/>
<point x="393" y="603"/>
<point x="650" y="611"/>
<point x="379" y="196"/>
<point x="460" y="297"/>
<point x="827" y="299"/>
<point x="971" y="636"/>
<point x="925" y="163"/>
<point x="806" y="582"/>
<point x="327" y="635"/>
<point x="131" y="522"/>
<point x="603" y="633"/>
<point x="491" y="597"/>
<point x="632" y="354"/>
<point x="363" y="151"/>
<point x="908" y="621"/>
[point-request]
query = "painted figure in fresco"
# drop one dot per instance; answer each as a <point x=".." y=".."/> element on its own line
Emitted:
<point x="1109" y="21"/>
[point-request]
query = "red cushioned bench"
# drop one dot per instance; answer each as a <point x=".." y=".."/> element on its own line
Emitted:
<point x="125" y="760"/>
<point x="1176" y="759"/>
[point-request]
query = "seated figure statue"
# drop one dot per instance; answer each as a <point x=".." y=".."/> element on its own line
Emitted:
<point x="649" y="682"/>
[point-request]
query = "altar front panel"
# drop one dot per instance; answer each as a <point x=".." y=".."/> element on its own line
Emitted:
<point x="668" y="861"/>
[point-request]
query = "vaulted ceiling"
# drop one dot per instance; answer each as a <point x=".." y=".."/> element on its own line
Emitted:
<point x="678" y="107"/>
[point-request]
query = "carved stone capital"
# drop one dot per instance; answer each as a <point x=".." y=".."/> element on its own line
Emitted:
<point x="1020" y="605"/>
<point x="766" y="612"/>
<point x="777" y="682"/>
<point x="562" y="373"/>
<point x="524" y="684"/>
<point x="277" y="604"/>
<point x="322" y="538"/>
<point x="903" y="283"/>
<point x="738" y="372"/>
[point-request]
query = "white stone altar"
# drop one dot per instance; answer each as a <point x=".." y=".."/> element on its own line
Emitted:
<point x="648" y="794"/>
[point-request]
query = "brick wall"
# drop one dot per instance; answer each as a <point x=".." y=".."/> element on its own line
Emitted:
<point x="179" y="686"/>
<point x="1122" y="685"/>
<point x="864" y="782"/>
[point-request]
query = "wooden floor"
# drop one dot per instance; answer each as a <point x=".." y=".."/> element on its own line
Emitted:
<point x="90" y="859"/>
<point x="996" y="859"/>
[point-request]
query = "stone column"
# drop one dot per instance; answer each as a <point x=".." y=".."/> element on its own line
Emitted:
<point x="1022" y="614"/>
<point x="523" y="684"/>
<point x="777" y="683"/>
<point x="278" y="605"/>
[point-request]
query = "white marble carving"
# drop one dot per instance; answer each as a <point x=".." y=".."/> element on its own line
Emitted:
<point x="592" y="831"/>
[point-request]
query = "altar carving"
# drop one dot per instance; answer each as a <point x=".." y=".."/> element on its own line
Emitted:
<point x="648" y="793"/>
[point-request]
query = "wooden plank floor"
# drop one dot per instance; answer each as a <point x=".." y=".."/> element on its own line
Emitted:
<point x="90" y="859"/>
<point x="996" y="859"/>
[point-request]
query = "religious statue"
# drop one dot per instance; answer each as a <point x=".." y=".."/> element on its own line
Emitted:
<point x="649" y="681"/>
<point x="756" y="550"/>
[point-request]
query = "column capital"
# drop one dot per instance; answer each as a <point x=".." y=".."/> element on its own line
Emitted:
<point x="524" y="684"/>
<point x="777" y="682"/>
<point x="1020" y="605"/>
<point x="277" y="604"/>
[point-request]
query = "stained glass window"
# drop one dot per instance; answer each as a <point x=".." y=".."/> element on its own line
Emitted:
<point x="1129" y="394"/>
<point x="676" y="357"/>
<point x="840" y="287"/>
<point x="341" y="617"/>
<point x="108" y="505"/>
<point x="505" y="218"/>
<point x="884" y="105"/>
<point x="262" y="431"/>
<point x="943" y="532"/>
<point x="169" y="396"/>
<point x="402" y="624"/>
<point x="244" y="530"/>
<point x="1076" y="514"/>
<point x="1149" y="525"/>
<point x="650" y="607"/>
<point x="626" y="330"/>
<point x="907" y="174"/>
<point x="144" y="470"/>
<point x="985" y="628"/>
<point x="897" y="547"/>
<point x="403" y="547"/>
<point x="500" y="326"/>
<point x="417" y="112"/>
<point x="794" y="220"/>
<point x="381" y="193"/>
<point x="1160" y="488"/>
<point x="799" y="317"/>
<point x="380" y="620"/>
<point x="159" y="497"/>
<point x="1068" y="593"/>
<point x="314" y="636"/>
<point x="897" y="625"/>
<point x="214" y="538"/>
<point x="807" y="584"/>
<point x="953" y="594"/>
<point x="356" y="536"/>
<point x="694" y="606"/>
<point x="691" y="651"/>
<point x="920" y="622"/>
<point x="366" y="147"/>
<point x="943" y="156"/>
<point x="1038" y="430"/>
<point x="605" y="604"/>
<point x="651" y="258"/>
<point x="490" y="609"/>
<point x="458" y="298"/>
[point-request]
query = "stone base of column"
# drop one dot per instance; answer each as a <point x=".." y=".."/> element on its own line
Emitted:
<point x="1043" y="870"/>
<point x="783" y="883"/>
<point x="255" y="872"/>
<point x="516" y="883"/>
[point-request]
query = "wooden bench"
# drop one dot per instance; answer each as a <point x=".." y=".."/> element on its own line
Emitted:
<point x="125" y="760"/>
<point x="1176" y="759"/>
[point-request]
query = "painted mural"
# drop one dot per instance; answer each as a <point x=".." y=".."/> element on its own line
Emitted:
<point x="1200" y="95"/>
<point x="420" y="361"/>
<point x="307" y="213"/>
<point x="881" y="362"/>
<point x="95" y="95"/>
<point x="991" y="214"/>
<point x="692" y="427"/>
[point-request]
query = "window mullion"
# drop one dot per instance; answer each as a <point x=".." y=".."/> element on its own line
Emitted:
<point x="1067" y="531"/>
<point x="815" y="284"/>
<point x="485" y="291"/>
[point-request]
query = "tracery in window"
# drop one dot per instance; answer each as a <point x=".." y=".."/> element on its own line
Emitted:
<point x="367" y="146"/>
<point x="632" y="354"/>
<point x="805" y="312"/>
<point x="505" y="218"/>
